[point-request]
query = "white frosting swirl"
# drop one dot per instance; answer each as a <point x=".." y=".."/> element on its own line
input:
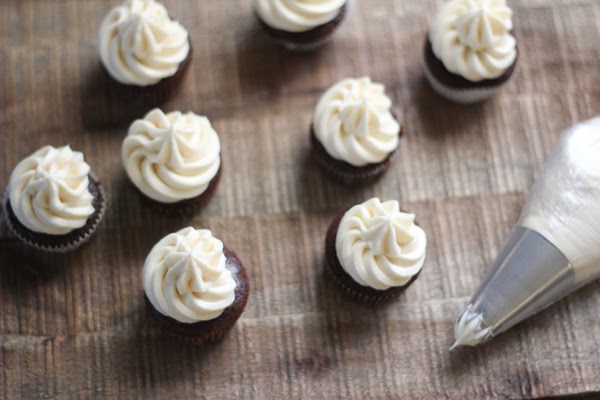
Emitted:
<point x="354" y="123"/>
<point x="379" y="246"/>
<point x="185" y="277"/>
<point x="48" y="191"/>
<point x="472" y="38"/>
<point x="297" y="15"/>
<point x="140" y="45"/>
<point x="171" y="157"/>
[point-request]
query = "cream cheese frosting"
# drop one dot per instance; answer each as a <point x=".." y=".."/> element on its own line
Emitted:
<point x="171" y="157"/>
<point x="140" y="45"/>
<point x="472" y="38"/>
<point x="379" y="246"/>
<point x="354" y="123"/>
<point x="185" y="277"/>
<point x="49" y="191"/>
<point x="297" y="15"/>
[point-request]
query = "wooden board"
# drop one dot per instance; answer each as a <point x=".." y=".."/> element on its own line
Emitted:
<point x="75" y="326"/>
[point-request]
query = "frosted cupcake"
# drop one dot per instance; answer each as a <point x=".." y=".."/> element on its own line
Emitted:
<point x="195" y="286"/>
<point x="375" y="251"/>
<point x="143" y="50"/>
<point x="173" y="159"/>
<point x="470" y="50"/>
<point x="301" y="24"/>
<point x="54" y="202"/>
<point x="354" y="133"/>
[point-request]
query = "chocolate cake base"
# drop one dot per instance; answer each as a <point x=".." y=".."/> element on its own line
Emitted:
<point x="344" y="172"/>
<point x="149" y="96"/>
<point x="456" y="88"/>
<point x="342" y="279"/>
<point x="60" y="243"/>
<point x="189" y="206"/>
<point x="307" y="40"/>
<point x="215" y="329"/>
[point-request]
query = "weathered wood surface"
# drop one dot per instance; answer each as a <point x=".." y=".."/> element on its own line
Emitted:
<point x="75" y="326"/>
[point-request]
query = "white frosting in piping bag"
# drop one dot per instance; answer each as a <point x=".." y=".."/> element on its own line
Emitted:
<point x="185" y="277"/>
<point x="171" y="157"/>
<point x="140" y="45"/>
<point x="49" y="191"/>
<point x="564" y="204"/>
<point x="297" y="15"/>
<point x="354" y="122"/>
<point x="379" y="246"/>
<point x="469" y="329"/>
<point x="472" y="38"/>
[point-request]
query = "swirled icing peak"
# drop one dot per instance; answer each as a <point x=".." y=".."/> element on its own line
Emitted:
<point x="49" y="191"/>
<point x="171" y="157"/>
<point x="354" y="123"/>
<point x="297" y="15"/>
<point x="472" y="38"/>
<point x="140" y="45"/>
<point x="379" y="246"/>
<point x="185" y="277"/>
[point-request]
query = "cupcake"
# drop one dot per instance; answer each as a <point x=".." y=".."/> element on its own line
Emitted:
<point x="374" y="251"/>
<point x="54" y="202"/>
<point x="173" y="160"/>
<point x="301" y="24"/>
<point x="470" y="51"/>
<point x="195" y="286"/>
<point x="354" y="133"/>
<point x="144" y="51"/>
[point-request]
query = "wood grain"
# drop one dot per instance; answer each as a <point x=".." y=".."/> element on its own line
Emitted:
<point x="75" y="326"/>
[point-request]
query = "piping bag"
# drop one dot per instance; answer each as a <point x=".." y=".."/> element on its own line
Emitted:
<point x="553" y="249"/>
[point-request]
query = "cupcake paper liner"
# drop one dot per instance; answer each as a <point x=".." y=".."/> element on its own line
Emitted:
<point x="185" y="207"/>
<point x="153" y="95"/>
<point x="346" y="283"/>
<point x="345" y="173"/>
<point x="461" y="96"/>
<point x="304" y="47"/>
<point x="166" y="326"/>
<point x="455" y="87"/>
<point x="60" y="243"/>
<point x="215" y="329"/>
<point x="309" y="40"/>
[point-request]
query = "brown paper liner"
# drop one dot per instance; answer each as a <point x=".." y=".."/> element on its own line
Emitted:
<point x="344" y="172"/>
<point x="307" y="40"/>
<point x="185" y="207"/>
<point x="456" y="88"/>
<point x="60" y="243"/>
<point x="149" y="96"/>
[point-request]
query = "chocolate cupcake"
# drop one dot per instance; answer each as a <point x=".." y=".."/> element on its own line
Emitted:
<point x="374" y="251"/>
<point x="173" y="160"/>
<point x="145" y="52"/>
<point x="54" y="202"/>
<point x="196" y="287"/>
<point x="354" y="133"/>
<point x="301" y="24"/>
<point x="470" y="51"/>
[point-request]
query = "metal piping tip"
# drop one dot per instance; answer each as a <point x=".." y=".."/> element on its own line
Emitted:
<point x="470" y="329"/>
<point x="529" y="274"/>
